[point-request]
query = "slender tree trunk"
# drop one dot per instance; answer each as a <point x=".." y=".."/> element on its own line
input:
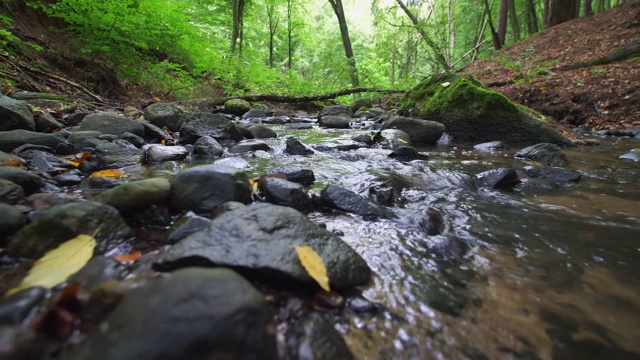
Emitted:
<point x="274" y="19"/>
<point x="289" y="34"/>
<point x="502" y="21"/>
<point x="561" y="11"/>
<point x="545" y="11"/>
<point x="532" y="18"/>
<point x="494" y="34"/>
<point x="346" y="41"/>
<point x="513" y="19"/>
<point x="599" y="6"/>
<point x="451" y="31"/>
<point x="392" y="76"/>
<point x="237" y="31"/>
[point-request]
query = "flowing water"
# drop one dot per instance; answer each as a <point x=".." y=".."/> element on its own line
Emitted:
<point x="547" y="275"/>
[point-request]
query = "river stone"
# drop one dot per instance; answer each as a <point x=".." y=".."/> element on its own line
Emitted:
<point x="234" y="162"/>
<point x="254" y="114"/>
<point x="17" y="307"/>
<point x="259" y="131"/>
<point x="293" y="146"/>
<point x="160" y="153"/>
<point x="559" y="175"/>
<point x="10" y="140"/>
<point x="633" y="155"/>
<point x="45" y="122"/>
<point x="432" y="222"/>
<point x="15" y="114"/>
<point x="407" y="153"/>
<point x="117" y="154"/>
<point x="97" y="271"/>
<point x="535" y="186"/>
<point x="208" y="146"/>
<point x="77" y="135"/>
<point x="261" y="237"/>
<point x="361" y="103"/>
<point x="297" y="175"/>
<point x="29" y="181"/>
<point x="110" y="124"/>
<point x="188" y="224"/>
<point x="152" y="132"/>
<point x="421" y="131"/>
<point x="138" y="194"/>
<point x="215" y="125"/>
<point x="334" y="110"/>
<point x="286" y="193"/>
<point x="544" y="153"/>
<point x="315" y="337"/>
<point x="60" y="223"/>
<point x="194" y="314"/>
<point x="167" y="115"/>
<point x="10" y="192"/>
<point x="335" y="122"/>
<point x="11" y="220"/>
<point x="394" y="138"/>
<point x="134" y="139"/>
<point x="249" y="145"/>
<point x="237" y="107"/>
<point x="348" y="201"/>
<point x="202" y="188"/>
<point x="490" y="146"/>
<point x="69" y="178"/>
<point x="500" y="179"/>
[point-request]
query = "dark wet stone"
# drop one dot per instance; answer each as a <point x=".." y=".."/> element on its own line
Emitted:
<point x="188" y="224"/>
<point x="76" y="135"/>
<point x="448" y="248"/>
<point x="421" y="131"/>
<point x="335" y="122"/>
<point x="215" y="125"/>
<point x="45" y="122"/>
<point x="260" y="237"/>
<point x="60" y="223"/>
<point x="17" y="307"/>
<point x="296" y="147"/>
<point x="366" y="139"/>
<point x="15" y="114"/>
<point x="432" y="222"/>
<point x="10" y="192"/>
<point x="499" y="179"/>
<point x="361" y="103"/>
<point x="167" y="115"/>
<point x="534" y="186"/>
<point x="323" y="300"/>
<point x="41" y="201"/>
<point x="633" y="155"/>
<point x="249" y="145"/>
<point x="237" y="107"/>
<point x="99" y="183"/>
<point x="134" y="139"/>
<point x="286" y="193"/>
<point x="86" y="143"/>
<point x="254" y="114"/>
<point x="194" y="314"/>
<point x="234" y="162"/>
<point x="75" y="119"/>
<point x="136" y="195"/>
<point x="208" y="146"/>
<point x="559" y="175"/>
<point x="160" y="153"/>
<point x="46" y="161"/>
<point x="301" y="126"/>
<point x="335" y="110"/>
<point x="192" y="189"/>
<point x="29" y="182"/>
<point x="111" y="124"/>
<point x="490" y="146"/>
<point x="117" y="155"/>
<point x="328" y="147"/>
<point x="544" y="153"/>
<point x="407" y="153"/>
<point x="361" y="306"/>
<point x="226" y="207"/>
<point x="10" y="140"/>
<point x="11" y="220"/>
<point x="22" y="343"/>
<point x="259" y="131"/>
<point x="301" y="176"/>
<point x="69" y="178"/>
<point x="348" y="201"/>
<point x="153" y="133"/>
<point x="97" y="271"/>
<point x="394" y="138"/>
<point x="315" y="337"/>
<point x="382" y="195"/>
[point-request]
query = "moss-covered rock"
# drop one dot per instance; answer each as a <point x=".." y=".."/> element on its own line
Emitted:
<point x="237" y="107"/>
<point x="472" y="113"/>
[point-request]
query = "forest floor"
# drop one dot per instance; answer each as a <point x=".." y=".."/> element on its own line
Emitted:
<point x="531" y="72"/>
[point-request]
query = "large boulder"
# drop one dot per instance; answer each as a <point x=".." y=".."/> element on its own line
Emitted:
<point x="202" y="188"/>
<point x="215" y="125"/>
<point x="117" y="154"/>
<point x="194" y="314"/>
<point x="420" y="131"/>
<point x="237" y="107"/>
<point x="341" y="121"/>
<point x="13" y="139"/>
<point x="111" y="124"/>
<point x="159" y="153"/>
<point x="262" y="237"/>
<point x="167" y="115"/>
<point x="137" y="194"/>
<point x="11" y="220"/>
<point x="346" y="200"/>
<point x="472" y="113"/>
<point x="29" y="181"/>
<point x="545" y="153"/>
<point x="335" y="110"/>
<point x="286" y="193"/>
<point x="15" y="114"/>
<point x="208" y="146"/>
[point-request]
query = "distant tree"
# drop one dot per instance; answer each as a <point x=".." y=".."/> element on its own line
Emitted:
<point x="502" y="21"/>
<point x="274" y="19"/>
<point x="237" y="33"/>
<point x="346" y="41"/>
<point x="561" y="11"/>
<point x="513" y="20"/>
<point x="531" y="17"/>
<point x="494" y="35"/>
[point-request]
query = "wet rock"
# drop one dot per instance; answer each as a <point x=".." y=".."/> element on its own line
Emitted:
<point x="15" y="114"/>
<point x="361" y="103"/>
<point x="17" y="307"/>
<point x="161" y="153"/>
<point x="21" y="343"/>
<point x="296" y="147"/>
<point x="46" y="161"/>
<point x="544" y="153"/>
<point x="99" y="183"/>
<point x="297" y="175"/>
<point x="134" y="139"/>
<point x="237" y="107"/>
<point x="286" y="193"/>
<point x="559" y="175"/>
<point x="633" y="155"/>
<point x="366" y="139"/>
<point x="45" y="122"/>
<point x="10" y="140"/>
<point x="361" y="306"/>
<point x="153" y="132"/>
<point x="234" y="162"/>
<point x="226" y="207"/>
<point x="261" y="237"/>
<point x="394" y="138"/>
<point x="382" y="195"/>
<point x="534" y="186"/>
<point x="75" y="119"/>
<point x="259" y="131"/>
<point x="97" y="271"/>
<point x="29" y="182"/>
<point x="192" y="189"/>
<point x="111" y="124"/>
<point x="335" y="122"/>
<point x="490" y="146"/>
<point x="316" y="338"/>
<point x="215" y="125"/>
<point x="249" y="145"/>
<point x="138" y="194"/>
<point x="193" y="314"/>
<point x="432" y="222"/>
<point x="254" y="114"/>
<point x="167" y="115"/>
<point x="335" y="110"/>
<point x="420" y="131"/>
<point x="117" y="154"/>
<point x="188" y="224"/>
<point x="499" y="179"/>
<point x="10" y="192"/>
<point x="77" y="135"/>
<point x="301" y="126"/>
<point x="208" y="146"/>
<point x="348" y="201"/>
<point x="11" y="220"/>
<point x="449" y="248"/>
<point x="345" y="146"/>
<point x="323" y="300"/>
<point x="41" y="201"/>
<point x="407" y="153"/>
<point x="60" y="223"/>
<point x="69" y="178"/>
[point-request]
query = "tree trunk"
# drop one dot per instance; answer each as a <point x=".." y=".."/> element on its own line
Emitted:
<point x="237" y="31"/>
<point x="274" y="19"/>
<point x="513" y="19"/>
<point x="586" y="8"/>
<point x="502" y="21"/>
<point x="289" y="34"/>
<point x="346" y="41"/>
<point x="561" y="11"/>
<point x="494" y="35"/>
<point x="545" y="11"/>
<point x="532" y="18"/>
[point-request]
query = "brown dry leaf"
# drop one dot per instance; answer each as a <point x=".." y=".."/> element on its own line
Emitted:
<point x="13" y="163"/>
<point x="113" y="174"/>
<point x="130" y="257"/>
<point x="313" y="264"/>
<point x="79" y="158"/>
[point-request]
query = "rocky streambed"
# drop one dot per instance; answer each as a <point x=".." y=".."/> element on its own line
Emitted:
<point x="433" y="249"/>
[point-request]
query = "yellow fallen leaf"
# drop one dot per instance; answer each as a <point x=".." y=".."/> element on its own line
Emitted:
<point x="13" y="163"/>
<point x="254" y="185"/>
<point x="58" y="264"/>
<point x="312" y="262"/>
<point x="114" y="174"/>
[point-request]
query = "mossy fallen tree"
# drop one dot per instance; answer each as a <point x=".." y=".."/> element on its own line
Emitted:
<point x="298" y="99"/>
